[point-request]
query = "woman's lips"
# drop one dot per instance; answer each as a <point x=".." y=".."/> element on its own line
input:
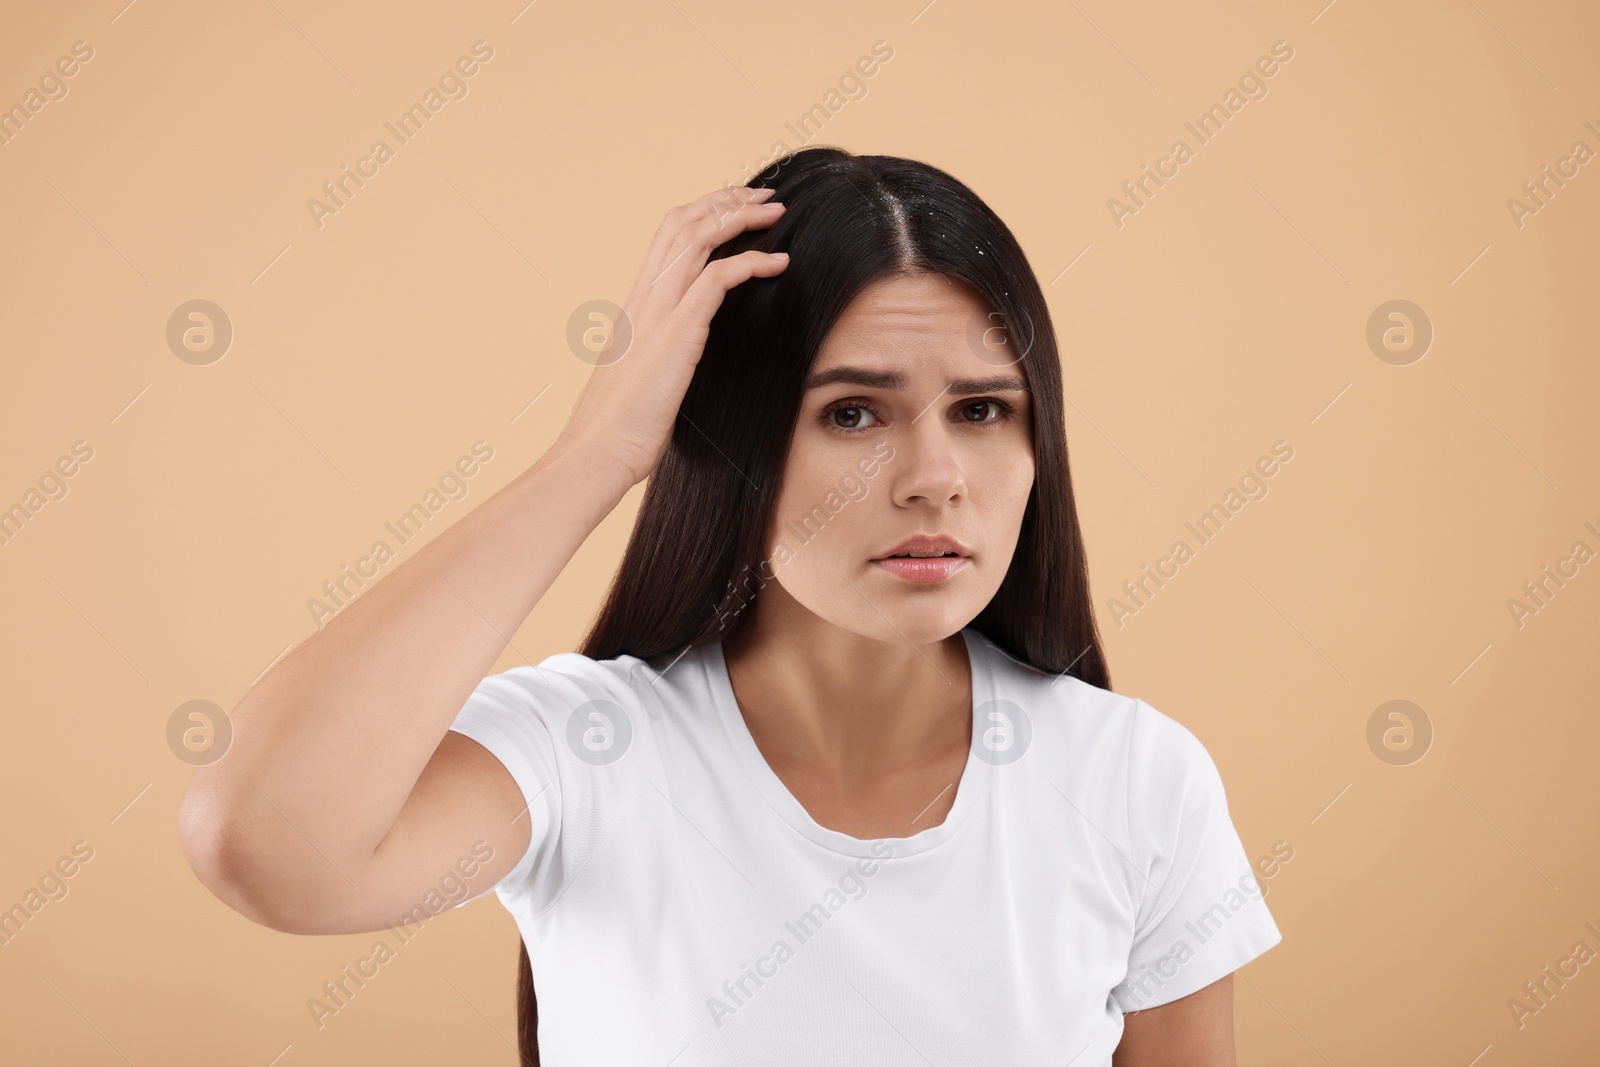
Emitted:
<point x="923" y="570"/>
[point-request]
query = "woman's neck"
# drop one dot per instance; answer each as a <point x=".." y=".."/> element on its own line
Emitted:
<point x="844" y="710"/>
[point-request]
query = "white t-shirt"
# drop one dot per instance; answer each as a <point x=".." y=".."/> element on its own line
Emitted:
<point x="681" y="907"/>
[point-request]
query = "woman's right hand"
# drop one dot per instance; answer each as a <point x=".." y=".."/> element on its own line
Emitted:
<point x="625" y="414"/>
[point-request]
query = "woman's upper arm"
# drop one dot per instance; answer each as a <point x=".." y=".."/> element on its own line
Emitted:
<point x="485" y="812"/>
<point x="1201" y="914"/>
<point x="464" y="826"/>
<point x="1192" y="1031"/>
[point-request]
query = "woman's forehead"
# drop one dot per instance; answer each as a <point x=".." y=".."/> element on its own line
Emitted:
<point x="893" y="336"/>
<point x="904" y="323"/>
<point x="908" y="300"/>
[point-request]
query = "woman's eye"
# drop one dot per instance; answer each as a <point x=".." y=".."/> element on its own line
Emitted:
<point x="850" y="417"/>
<point x="979" y="411"/>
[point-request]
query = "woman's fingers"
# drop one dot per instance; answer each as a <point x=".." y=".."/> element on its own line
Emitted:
<point x="655" y="256"/>
<point x="629" y="406"/>
<point x="691" y="249"/>
<point x="687" y="235"/>
<point x="706" y="293"/>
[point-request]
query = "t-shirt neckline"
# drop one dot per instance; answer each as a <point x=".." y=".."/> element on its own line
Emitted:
<point x="974" y="775"/>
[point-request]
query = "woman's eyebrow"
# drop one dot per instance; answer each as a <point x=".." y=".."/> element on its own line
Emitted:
<point x="871" y="379"/>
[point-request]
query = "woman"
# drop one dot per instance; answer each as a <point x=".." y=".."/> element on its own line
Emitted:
<point x="838" y="772"/>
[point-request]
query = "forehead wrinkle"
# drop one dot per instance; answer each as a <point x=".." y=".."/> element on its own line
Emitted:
<point x="918" y="311"/>
<point x="893" y="335"/>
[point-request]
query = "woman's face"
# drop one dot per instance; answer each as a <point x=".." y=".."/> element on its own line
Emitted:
<point x="907" y="431"/>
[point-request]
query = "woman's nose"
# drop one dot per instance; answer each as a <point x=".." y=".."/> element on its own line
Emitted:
<point x="927" y="466"/>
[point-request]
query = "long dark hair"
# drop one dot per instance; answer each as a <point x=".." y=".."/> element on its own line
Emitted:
<point x="699" y="534"/>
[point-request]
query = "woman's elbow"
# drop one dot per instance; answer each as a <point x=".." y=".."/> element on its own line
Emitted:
<point x="230" y="859"/>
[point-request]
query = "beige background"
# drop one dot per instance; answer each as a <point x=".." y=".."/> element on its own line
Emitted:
<point x="1230" y="312"/>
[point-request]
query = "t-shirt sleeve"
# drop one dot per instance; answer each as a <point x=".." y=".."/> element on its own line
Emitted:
<point x="557" y="728"/>
<point x="1201" y="913"/>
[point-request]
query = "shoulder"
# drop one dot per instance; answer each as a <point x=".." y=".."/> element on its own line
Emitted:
<point x="566" y="694"/>
<point x="1082" y="724"/>
<point x="1064" y="711"/>
<point x="540" y="709"/>
<point x="563" y="681"/>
